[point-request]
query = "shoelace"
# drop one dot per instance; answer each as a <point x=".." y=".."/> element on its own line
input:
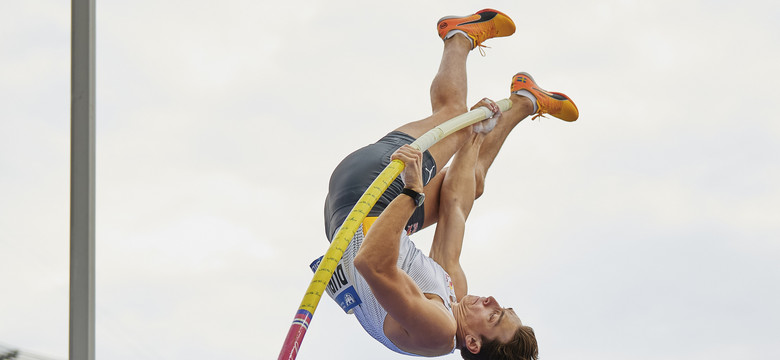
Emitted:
<point x="481" y="49"/>
<point x="539" y="114"/>
<point x="482" y="34"/>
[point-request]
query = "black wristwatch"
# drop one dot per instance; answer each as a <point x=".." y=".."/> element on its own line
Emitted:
<point x="419" y="198"/>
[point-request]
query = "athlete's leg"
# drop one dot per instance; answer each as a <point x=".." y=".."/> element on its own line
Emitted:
<point x="448" y="90"/>
<point x="448" y="99"/>
<point x="536" y="100"/>
<point x="522" y="107"/>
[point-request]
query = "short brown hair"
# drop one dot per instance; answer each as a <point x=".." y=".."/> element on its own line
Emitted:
<point x="522" y="346"/>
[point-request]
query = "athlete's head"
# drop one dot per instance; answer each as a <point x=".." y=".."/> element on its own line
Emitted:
<point x="489" y="331"/>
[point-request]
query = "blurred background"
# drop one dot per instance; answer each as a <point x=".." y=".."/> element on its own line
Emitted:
<point x="649" y="228"/>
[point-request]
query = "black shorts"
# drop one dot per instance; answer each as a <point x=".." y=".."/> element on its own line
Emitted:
<point x="358" y="170"/>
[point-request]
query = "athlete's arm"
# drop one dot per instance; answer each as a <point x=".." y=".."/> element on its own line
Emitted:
<point x="455" y="201"/>
<point x="424" y="324"/>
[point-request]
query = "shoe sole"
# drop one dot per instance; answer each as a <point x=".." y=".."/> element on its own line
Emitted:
<point x="458" y="17"/>
<point x="450" y="17"/>
<point x="464" y="16"/>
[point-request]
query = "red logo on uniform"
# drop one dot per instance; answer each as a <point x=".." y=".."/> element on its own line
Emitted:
<point x="411" y="229"/>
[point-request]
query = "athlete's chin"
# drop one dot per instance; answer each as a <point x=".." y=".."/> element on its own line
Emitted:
<point x="469" y="300"/>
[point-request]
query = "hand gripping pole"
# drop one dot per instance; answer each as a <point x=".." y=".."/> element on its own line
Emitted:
<point x="350" y="226"/>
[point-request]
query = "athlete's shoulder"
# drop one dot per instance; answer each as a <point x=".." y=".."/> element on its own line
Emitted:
<point x="436" y="341"/>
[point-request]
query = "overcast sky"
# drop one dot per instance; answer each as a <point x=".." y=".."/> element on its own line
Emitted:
<point x="648" y="229"/>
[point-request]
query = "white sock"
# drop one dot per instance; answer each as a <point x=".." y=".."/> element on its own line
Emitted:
<point x="452" y="33"/>
<point x="528" y="94"/>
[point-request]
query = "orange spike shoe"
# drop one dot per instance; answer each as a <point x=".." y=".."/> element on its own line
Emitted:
<point x="553" y="103"/>
<point x="482" y="25"/>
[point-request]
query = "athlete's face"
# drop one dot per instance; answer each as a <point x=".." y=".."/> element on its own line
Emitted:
<point x="486" y="318"/>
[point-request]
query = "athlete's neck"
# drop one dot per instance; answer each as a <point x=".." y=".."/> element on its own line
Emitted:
<point x="459" y="312"/>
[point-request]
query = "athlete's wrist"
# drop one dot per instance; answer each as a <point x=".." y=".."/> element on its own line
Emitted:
<point x="418" y="188"/>
<point x="417" y="196"/>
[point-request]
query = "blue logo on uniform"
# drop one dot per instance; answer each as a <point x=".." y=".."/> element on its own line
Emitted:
<point x="348" y="299"/>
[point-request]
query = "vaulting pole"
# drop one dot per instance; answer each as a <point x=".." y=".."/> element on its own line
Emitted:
<point x="82" y="182"/>
<point x="350" y="226"/>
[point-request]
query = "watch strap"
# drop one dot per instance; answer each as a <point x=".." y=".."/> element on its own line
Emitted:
<point x="417" y="197"/>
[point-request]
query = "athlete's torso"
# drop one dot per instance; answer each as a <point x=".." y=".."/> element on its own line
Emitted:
<point x="429" y="276"/>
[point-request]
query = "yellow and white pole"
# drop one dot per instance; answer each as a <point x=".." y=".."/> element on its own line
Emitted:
<point x="359" y="212"/>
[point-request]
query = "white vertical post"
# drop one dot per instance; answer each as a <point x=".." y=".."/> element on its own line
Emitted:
<point x="82" y="182"/>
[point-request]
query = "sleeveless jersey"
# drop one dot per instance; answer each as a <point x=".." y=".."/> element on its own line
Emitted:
<point x="429" y="276"/>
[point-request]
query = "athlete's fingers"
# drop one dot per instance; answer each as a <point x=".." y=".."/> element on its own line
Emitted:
<point x="493" y="107"/>
<point x="488" y="103"/>
<point x="487" y="125"/>
<point x="412" y="173"/>
<point x="407" y="154"/>
<point x="478" y="104"/>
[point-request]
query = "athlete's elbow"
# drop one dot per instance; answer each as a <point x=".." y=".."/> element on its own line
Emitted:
<point x="364" y="264"/>
<point x="369" y="267"/>
<point x="361" y="263"/>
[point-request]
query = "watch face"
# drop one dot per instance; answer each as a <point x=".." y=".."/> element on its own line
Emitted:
<point x="420" y="200"/>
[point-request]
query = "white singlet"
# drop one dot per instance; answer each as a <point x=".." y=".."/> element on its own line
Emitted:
<point x="429" y="276"/>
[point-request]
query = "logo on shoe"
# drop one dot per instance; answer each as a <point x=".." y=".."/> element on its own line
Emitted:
<point x="543" y="92"/>
<point x="483" y="16"/>
<point x="443" y="25"/>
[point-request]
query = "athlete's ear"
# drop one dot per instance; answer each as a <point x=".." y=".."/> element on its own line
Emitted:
<point x="473" y="344"/>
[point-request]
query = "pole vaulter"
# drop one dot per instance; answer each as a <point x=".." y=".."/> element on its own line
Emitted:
<point x="322" y="275"/>
<point x="410" y="302"/>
